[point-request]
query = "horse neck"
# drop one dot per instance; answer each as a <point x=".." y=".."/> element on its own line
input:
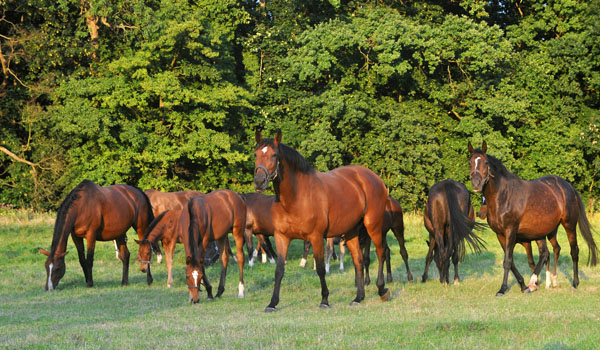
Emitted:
<point x="61" y="234"/>
<point x="286" y="185"/>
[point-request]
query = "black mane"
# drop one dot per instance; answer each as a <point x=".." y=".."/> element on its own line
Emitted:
<point x="498" y="169"/>
<point x="62" y="213"/>
<point x="290" y="155"/>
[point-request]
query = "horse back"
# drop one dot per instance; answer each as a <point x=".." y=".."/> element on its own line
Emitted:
<point x="352" y="193"/>
<point x="226" y="211"/>
<point x="162" y="201"/>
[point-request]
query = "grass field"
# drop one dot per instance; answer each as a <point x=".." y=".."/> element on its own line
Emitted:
<point x="419" y="315"/>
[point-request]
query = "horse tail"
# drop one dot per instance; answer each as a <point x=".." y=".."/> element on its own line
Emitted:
<point x="461" y="226"/>
<point x="153" y="225"/>
<point x="586" y="232"/>
<point x="62" y="225"/>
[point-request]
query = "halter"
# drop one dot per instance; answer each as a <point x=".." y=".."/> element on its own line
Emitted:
<point x="151" y="255"/>
<point x="487" y="178"/>
<point x="270" y="176"/>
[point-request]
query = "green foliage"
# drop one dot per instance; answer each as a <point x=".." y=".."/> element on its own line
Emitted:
<point x="169" y="93"/>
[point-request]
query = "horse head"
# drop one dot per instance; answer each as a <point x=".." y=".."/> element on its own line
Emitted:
<point x="193" y="274"/>
<point x="267" y="160"/>
<point x="144" y="254"/>
<point x="55" y="268"/>
<point x="480" y="168"/>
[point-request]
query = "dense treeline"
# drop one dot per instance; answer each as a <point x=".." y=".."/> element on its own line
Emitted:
<point x="167" y="94"/>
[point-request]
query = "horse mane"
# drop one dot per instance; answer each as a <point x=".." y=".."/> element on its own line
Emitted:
<point x="498" y="169"/>
<point x="293" y="158"/>
<point x="63" y="209"/>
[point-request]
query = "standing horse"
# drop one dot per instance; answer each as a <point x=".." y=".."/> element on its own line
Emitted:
<point x="551" y="279"/>
<point x="96" y="213"/>
<point x="311" y="205"/>
<point x="528" y="210"/>
<point x="260" y="223"/>
<point x="449" y="218"/>
<point x="212" y="216"/>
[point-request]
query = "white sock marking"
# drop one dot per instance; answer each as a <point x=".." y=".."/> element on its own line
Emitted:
<point x="264" y="258"/>
<point x="50" y="285"/>
<point x="241" y="290"/>
<point x="341" y="265"/>
<point x="548" y="282"/>
<point x="272" y="261"/>
<point x="251" y="262"/>
<point x="302" y="262"/>
<point x="327" y="268"/>
<point x="533" y="280"/>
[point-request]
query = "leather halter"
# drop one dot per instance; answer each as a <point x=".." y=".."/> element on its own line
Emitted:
<point x="151" y="255"/>
<point x="487" y="178"/>
<point x="270" y="176"/>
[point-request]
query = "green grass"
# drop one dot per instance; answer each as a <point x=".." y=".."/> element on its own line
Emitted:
<point x="419" y="315"/>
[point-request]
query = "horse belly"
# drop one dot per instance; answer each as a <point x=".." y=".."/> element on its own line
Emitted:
<point x="533" y="226"/>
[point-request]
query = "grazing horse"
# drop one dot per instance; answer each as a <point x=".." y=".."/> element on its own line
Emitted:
<point x="449" y="218"/>
<point x="212" y="216"/>
<point x="311" y="205"/>
<point x="520" y="210"/>
<point x="260" y="223"/>
<point x="551" y="278"/>
<point x="161" y="202"/>
<point x="97" y="214"/>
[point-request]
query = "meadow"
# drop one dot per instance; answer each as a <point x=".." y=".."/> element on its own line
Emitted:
<point x="418" y="315"/>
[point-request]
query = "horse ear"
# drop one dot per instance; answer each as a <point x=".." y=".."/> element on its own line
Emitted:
<point x="137" y="241"/>
<point x="257" y="136"/>
<point x="61" y="255"/>
<point x="484" y="147"/>
<point x="471" y="149"/>
<point x="44" y="251"/>
<point x="277" y="139"/>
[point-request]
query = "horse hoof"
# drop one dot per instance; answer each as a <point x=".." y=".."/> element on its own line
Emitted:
<point x="324" y="306"/>
<point x="531" y="289"/>
<point x="500" y="294"/>
<point x="270" y="309"/>
<point x="386" y="295"/>
<point x="354" y="303"/>
<point x="410" y="278"/>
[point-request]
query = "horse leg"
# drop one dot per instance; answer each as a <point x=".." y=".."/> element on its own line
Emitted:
<point x="222" y="244"/>
<point x="268" y="248"/>
<point x="207" y="285"/>
<point x="508" y="264"/>
<point x="530" y="261"/>
<point x="169" y="251"/>
<point x="357" y="258"/>
<point x="543" y="259"/>
<point x="319" y="255"/>
<point x="79" y="245"/>
<point x="455" y="259"/>
<point x="428" y="258"/>
<point x="124" y="254"/>
<point x="282" y="243"/>
<point x="572" y="236"/>
<point x="305" y="254"/>
<point x="366" y="253"/>
<point x="254" y="252"/>
<point x="342" y="252"/>
<point x="443" y="241"/>
<point x="238" y="237"/>
<point x="329" y="253"/>
<point x="374" y="230"/>
<point x="400" y="237"/>
<point x="556" y="250"/>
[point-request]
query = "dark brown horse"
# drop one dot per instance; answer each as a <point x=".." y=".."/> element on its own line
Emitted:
<point x="310" y="205"/>
<point x="96" y="214"/>
<point x="449" y="218"/>
<point x="520" y="210"/>
<point x="212" y="216"/>
<point x="260" y="223"/>
<point x="551" y="278"/>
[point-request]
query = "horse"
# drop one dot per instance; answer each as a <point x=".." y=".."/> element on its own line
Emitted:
<point x="260" y="223"/>
<point x="329" y="252"/>
<point x="311" y="205"/>
<point x="551" y="278"/>
<point x="520" y="210"/>
<point x="163" y="201"/>
<point x="212" y="216"/>
<point x="97" y="214"/>
<point x="449" y="218"/>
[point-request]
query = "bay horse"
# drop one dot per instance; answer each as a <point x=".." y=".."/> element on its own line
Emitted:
<point x="260" y="223"/>
<point x="520" y="210"/>
<point x="551" y="278"/>
<point x="449" y="218"/>
<point x="212" y="217"/>
<point x="97" y="214"/>
<point x="311" y="205"/>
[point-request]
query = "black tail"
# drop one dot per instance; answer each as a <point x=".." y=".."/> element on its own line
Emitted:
<point x="461" y="226"/>
<point x="586" y="232"/>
